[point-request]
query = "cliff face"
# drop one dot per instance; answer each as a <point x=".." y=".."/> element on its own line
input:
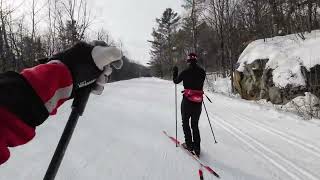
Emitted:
<point x="256" y="82"/>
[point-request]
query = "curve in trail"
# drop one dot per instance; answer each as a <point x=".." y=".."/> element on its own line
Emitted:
<point x="314" y="150"/>
<point x="294" y="169"/>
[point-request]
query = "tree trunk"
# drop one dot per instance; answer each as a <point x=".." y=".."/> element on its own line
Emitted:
<point x="274" y="12"/>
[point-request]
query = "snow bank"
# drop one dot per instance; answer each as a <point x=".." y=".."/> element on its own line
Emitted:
<point x="286" y="55"/>
<point x="306" y="106"/>
<point x="218" y="84"/>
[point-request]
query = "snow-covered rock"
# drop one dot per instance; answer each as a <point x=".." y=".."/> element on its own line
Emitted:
<point x="279" y="69"/>
<point x="286" y="55"/>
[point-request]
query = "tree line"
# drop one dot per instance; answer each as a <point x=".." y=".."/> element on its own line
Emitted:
<point x="219" y="30"/>
<point x="37" y="29"/>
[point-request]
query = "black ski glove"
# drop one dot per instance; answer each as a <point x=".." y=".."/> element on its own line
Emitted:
<point x="90" y="63"/>
<point x="175" y="71"/>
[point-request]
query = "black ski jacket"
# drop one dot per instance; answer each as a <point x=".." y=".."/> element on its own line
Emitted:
<point x="193" y="77"/>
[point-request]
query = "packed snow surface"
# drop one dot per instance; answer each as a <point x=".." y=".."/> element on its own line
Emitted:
<point x="120" y="137"/>
<point x="286" y="55"/>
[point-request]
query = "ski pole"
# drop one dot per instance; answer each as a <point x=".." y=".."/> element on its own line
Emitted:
<point x="176" y="107"/>
<point x="78" y="106"/>
<point x="209" y="122"/>
<point x="208" y="98"/>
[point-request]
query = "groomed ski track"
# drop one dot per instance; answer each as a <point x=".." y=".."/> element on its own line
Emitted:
<point x="120" y="137"/>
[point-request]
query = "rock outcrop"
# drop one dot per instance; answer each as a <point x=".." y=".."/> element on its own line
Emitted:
<point x="256" y="82"/>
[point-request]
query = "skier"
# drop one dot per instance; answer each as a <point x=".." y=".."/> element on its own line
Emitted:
<point x="193" y="78"/>
<point x="29" y="97"/>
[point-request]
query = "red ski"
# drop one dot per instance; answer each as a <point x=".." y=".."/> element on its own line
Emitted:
<point x="196" y="158"/>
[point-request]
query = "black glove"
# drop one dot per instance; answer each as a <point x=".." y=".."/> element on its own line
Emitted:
<point x="175" y="71"/>
<point x="88" y="62"/>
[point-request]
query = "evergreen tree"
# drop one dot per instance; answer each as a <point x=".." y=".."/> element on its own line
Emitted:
<point x="163" y="42"/>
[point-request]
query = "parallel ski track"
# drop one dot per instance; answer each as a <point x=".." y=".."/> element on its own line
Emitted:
<point x="289" y="138"/>
<point x="273" y="157"/>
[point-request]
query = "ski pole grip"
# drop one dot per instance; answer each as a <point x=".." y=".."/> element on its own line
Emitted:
<point x="80" y="99"/>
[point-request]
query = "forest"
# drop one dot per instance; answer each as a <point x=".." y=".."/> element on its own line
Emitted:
<point x="50" y="26"/>
<point x="219" y="30"/>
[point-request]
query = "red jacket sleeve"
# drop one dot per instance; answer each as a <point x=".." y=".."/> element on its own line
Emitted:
<point x="25" y="100"/>
<point x="13" y="132"/>
<point x="52" y="82"/>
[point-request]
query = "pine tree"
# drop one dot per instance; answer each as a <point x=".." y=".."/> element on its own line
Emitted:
<point x="162" y="43"/>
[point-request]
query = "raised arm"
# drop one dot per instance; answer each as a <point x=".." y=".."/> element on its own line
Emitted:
<point x="177" y="78"/>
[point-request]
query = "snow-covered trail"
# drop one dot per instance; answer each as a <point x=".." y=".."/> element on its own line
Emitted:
<point x="286" y="147"/>
<point x="120" y="137"/>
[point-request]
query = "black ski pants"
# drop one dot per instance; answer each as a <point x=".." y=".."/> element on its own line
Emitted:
<point x="191" y="110"/>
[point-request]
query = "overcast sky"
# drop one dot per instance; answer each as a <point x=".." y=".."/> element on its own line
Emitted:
<point x="131" y="21"/>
